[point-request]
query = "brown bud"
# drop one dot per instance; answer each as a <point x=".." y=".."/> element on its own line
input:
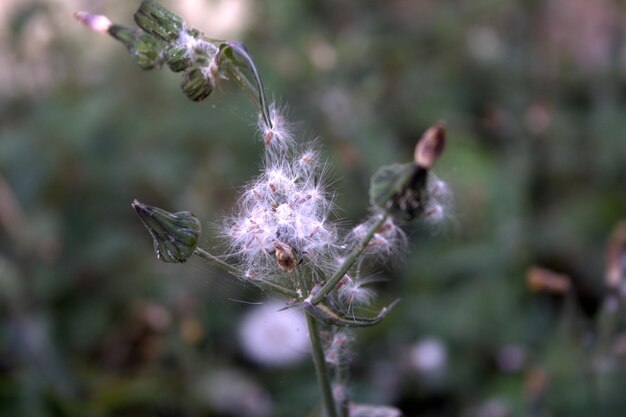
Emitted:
<point x="430" y="146"/>
<point x="285" y="257"/>
<point x="543" y="280"/>
<point x="616" y="256"/>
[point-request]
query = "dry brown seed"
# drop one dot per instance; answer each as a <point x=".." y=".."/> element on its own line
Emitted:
<point x="285" y="257"/>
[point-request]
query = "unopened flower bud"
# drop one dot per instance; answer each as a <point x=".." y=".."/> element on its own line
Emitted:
<point x="144" y="48"/>
<point x="430" y="146"/>
<point x="285" y="257"/>
<point x="158" y="21"/>
<point x="175" y="235"/>
<point x="544" y="280"/>
<point x="400" y="190"/>
<point x="197" y="85"/>
<point x="177" y="58"/>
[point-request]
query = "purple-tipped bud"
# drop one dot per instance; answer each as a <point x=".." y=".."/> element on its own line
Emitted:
<point x="94" y="22"/>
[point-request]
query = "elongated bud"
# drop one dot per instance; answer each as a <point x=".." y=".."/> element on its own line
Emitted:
<point x="616" y="256"/>
<point x="175" y="235"/>
<point x="97" y="23"/>
<point x="544" y="280"/>
<point x="158" y="21"/>
<point x="430" y="146"/>
<point x="285" y="257"/>
<point x="197" y="85"/>
<point x="146" y="50"/>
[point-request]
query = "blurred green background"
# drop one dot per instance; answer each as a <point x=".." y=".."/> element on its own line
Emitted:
<point x="533" y="94"/>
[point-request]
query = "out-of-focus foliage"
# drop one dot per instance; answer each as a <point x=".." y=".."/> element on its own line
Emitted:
<point x="534" y="98"/>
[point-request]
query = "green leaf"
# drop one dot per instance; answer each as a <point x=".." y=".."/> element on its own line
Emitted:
<point x="175" y="235"/>
<point x="400" y="190"/>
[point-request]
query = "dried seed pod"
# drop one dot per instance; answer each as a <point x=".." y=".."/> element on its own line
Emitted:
<point x="285" y="257"/>
<point x="175" y="235"/>
<point x="430" y="146"/>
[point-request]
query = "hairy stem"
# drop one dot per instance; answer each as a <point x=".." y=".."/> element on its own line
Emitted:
<point x="347" y="264"/>
<point x="320" y="367"/>
<point x="239" y="273"/>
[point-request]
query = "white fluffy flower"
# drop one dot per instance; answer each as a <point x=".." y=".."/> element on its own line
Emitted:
<point x="285" y="205"/>
<point x="274" y="338"/>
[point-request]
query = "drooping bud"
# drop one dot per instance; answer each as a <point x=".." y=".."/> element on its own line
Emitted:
<point x="285" y="257"/>
<point x="430" y="146"/>
<point x="544" y="280"/>
<point x="400" y="190"/>
<point x="158" y="21"/>
<point x="616" y="256"/>
<point x="175" y="235"/>
<point x="144" y="48"/>
<point x="197" y="85"/>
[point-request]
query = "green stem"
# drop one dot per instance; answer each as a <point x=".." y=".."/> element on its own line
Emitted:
<point x="347" y="264"/>
<point x="239" y="273"/>
<point x="320" y="367"/>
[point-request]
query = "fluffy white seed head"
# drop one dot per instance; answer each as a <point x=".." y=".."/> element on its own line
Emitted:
<point x="274" y="338"/>
<point x="440" y="200"/>
<point x="286" y="204"/>
<point x="277" y="134"/>
<point x="389" y="239"/>
<point x="354" y="291"/>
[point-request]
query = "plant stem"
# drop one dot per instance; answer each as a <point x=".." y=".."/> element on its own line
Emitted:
<point x="320" y="367"/>
<point x="349" y="261"/>
<point x="342" y="375"/>
<point x="239" y="273"/>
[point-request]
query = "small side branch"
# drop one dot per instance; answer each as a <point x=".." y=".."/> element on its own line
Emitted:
<point x="239" y="273"/>
<point x="347" y="264"/>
